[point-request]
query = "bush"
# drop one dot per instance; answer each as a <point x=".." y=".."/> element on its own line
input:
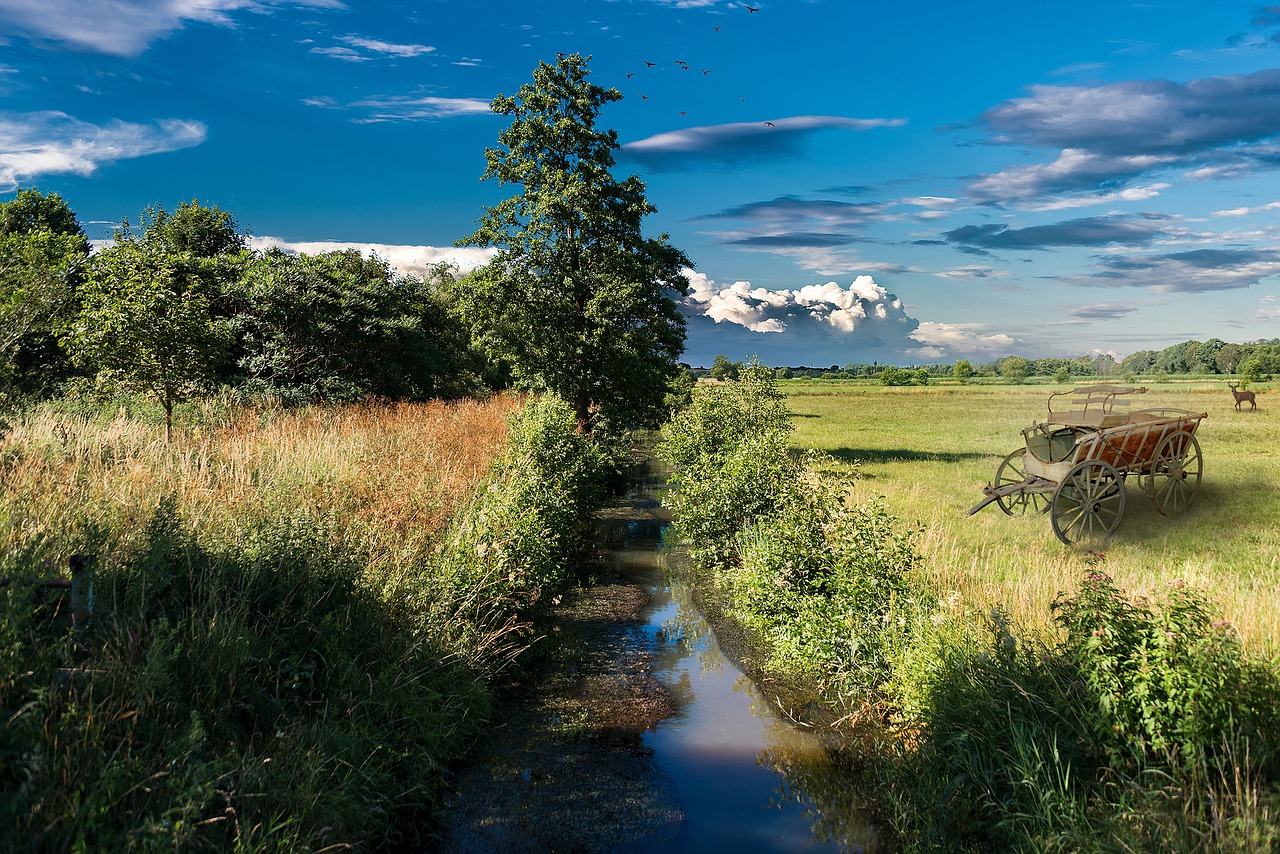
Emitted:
<point x="1143" y="727"/>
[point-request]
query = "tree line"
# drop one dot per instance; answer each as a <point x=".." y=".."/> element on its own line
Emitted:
<point x="1254" y="361"/>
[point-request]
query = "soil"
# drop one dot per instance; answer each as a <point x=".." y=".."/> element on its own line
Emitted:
<point x="565" y="768"/>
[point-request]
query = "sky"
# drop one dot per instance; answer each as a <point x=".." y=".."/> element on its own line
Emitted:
<point x="852" y="181"/>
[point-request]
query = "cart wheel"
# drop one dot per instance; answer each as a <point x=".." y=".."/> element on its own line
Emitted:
<point x="1088" y="503"/>
<point x="1011" y="471"/>
<point x="1174" y="481"/>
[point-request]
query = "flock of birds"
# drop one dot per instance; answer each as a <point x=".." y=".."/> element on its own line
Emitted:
<point x="684" y="66"/>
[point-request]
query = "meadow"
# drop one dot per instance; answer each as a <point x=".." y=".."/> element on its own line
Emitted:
<point x="929" y="450"/>
<point x="297" y="614"/>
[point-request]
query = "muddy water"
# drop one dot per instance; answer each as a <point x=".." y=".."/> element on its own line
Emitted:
<point x="733" y="762"/>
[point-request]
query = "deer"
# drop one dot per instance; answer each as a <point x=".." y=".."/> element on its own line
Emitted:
<point x="1242" y="396"/>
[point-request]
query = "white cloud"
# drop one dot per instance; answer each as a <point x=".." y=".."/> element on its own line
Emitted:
<point x="125" y="27"/>
<point x="1246" y="211"/>
<point x="53" y="143"/>
<point x="345" y="54"/>
<point x="828" y="307"/>
<point x="388" y="47"/>
<point x="942" y="340"/>
<point x="404" y="259"/>
<point x="413" y="109"/>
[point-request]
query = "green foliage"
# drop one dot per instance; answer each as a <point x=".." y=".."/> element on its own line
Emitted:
<point x="1062" y="376"/>
<point x="826" y="587"/>
<point x="577" y="300"/>
<point x="43" y="252"/>
<point x="1015" y="369"/>
<point x="339" y="326"/>
<point x="1169" y="681"/>
<point x="962" y="371"/>
<point x="146" y="322"/>
<point x="510" y="544"/>
<point x="1143" y="728"/>
<point x="724" y="368"/>
<point x="192" y="229"/>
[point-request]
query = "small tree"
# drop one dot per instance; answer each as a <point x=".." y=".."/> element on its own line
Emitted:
<point x="1062" y="376"/>
<point x="963" y="370"/>
<point x="145" y="323"/>
<point x="922" y="376"/>
<point x="1015" y="369"/>
<point x="725" y="369"/>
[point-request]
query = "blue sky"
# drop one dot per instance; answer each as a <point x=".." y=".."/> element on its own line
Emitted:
<point x="852" y="181"/>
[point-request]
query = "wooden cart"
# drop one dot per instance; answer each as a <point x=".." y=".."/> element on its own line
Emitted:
<point x="1075" y="463"/>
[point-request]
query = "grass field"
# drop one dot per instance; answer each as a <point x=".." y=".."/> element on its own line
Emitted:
<point x="929" y="451"/>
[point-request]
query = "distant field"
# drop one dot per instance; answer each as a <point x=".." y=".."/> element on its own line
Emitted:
<point x="929" y="451"/>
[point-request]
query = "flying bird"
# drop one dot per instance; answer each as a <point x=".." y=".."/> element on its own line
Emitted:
<point x="648" y="63"/>
<point x="644" y="97"/>
<point x="632" y="74"/>
<point x="717" y="29"/>
<point x="705" y="71"/>
<point x="683" y="113"/>
<point x="750" y="9"/>
<point x="770" y="124"/>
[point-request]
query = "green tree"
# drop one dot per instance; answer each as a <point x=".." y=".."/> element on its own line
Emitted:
<point x="342" y="326"/>
<point x="963" y="370"/>
<point x="576" y="300"/>
<point x="1062" y="376"/>
<point x="921" y="376"/>
<point x="43" y="252"/>
<point x="1015" y="369"/>
<point x="1250" y="371"/>
<point x="723" y="368"/>
<point x="145" y="322"/>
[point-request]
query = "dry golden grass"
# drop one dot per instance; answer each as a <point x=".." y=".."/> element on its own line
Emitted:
<point x="391" y="472"/>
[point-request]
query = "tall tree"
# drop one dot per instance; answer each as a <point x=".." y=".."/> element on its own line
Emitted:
<point x="576" y="300"/>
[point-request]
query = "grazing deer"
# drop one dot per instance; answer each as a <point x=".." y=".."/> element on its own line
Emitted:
<point x="1242" y="396"/>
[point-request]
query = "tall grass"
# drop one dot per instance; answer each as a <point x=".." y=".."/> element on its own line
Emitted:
<point x="280" y="656"/>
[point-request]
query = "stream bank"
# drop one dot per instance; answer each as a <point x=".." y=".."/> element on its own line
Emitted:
<point x="637" y="733"/>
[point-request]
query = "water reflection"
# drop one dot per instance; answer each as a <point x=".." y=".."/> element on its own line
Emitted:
<point x="745" y="777"/>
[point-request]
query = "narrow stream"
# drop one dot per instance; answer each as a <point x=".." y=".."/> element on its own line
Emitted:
<point x="725" y="749"/>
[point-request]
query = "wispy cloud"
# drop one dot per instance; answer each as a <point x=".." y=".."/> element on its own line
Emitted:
<point x="408" y="259"/>
<point x="1088" y="231"/>
<point x="419" y="108"/>
<point x="1102" y="310"/>
<point x="1193" y="271"/>
<point x="125" y="28"/>
<point x="723" y="146"/>
<point x="1109" y="135"/>
<point x="51" y="143"/>
<point x="362" y="49"/>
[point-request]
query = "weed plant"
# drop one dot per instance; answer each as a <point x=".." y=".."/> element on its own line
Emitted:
<point x="295" y="612"/>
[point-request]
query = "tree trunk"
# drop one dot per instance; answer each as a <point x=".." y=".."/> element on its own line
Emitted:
<point x="168" y="421"/>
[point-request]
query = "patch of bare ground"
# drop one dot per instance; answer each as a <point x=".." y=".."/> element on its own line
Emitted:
<point x="565" y="767"/>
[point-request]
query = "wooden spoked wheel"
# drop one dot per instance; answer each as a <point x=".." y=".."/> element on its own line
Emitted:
<point x="1011" y="471"/>
<point x="1174" y="481"/>
<point x="1088" y="503"/>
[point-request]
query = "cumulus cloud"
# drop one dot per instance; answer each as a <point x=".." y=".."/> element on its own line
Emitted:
<point x="729" y="145"/>
<point x="125" y="27"/>
<point x="410" y="260"/>
<point x="1109" y="135"/>
<point x="52" y="143"/>
<point x="959" y="340"/>
<point x="1193" y="271"/>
